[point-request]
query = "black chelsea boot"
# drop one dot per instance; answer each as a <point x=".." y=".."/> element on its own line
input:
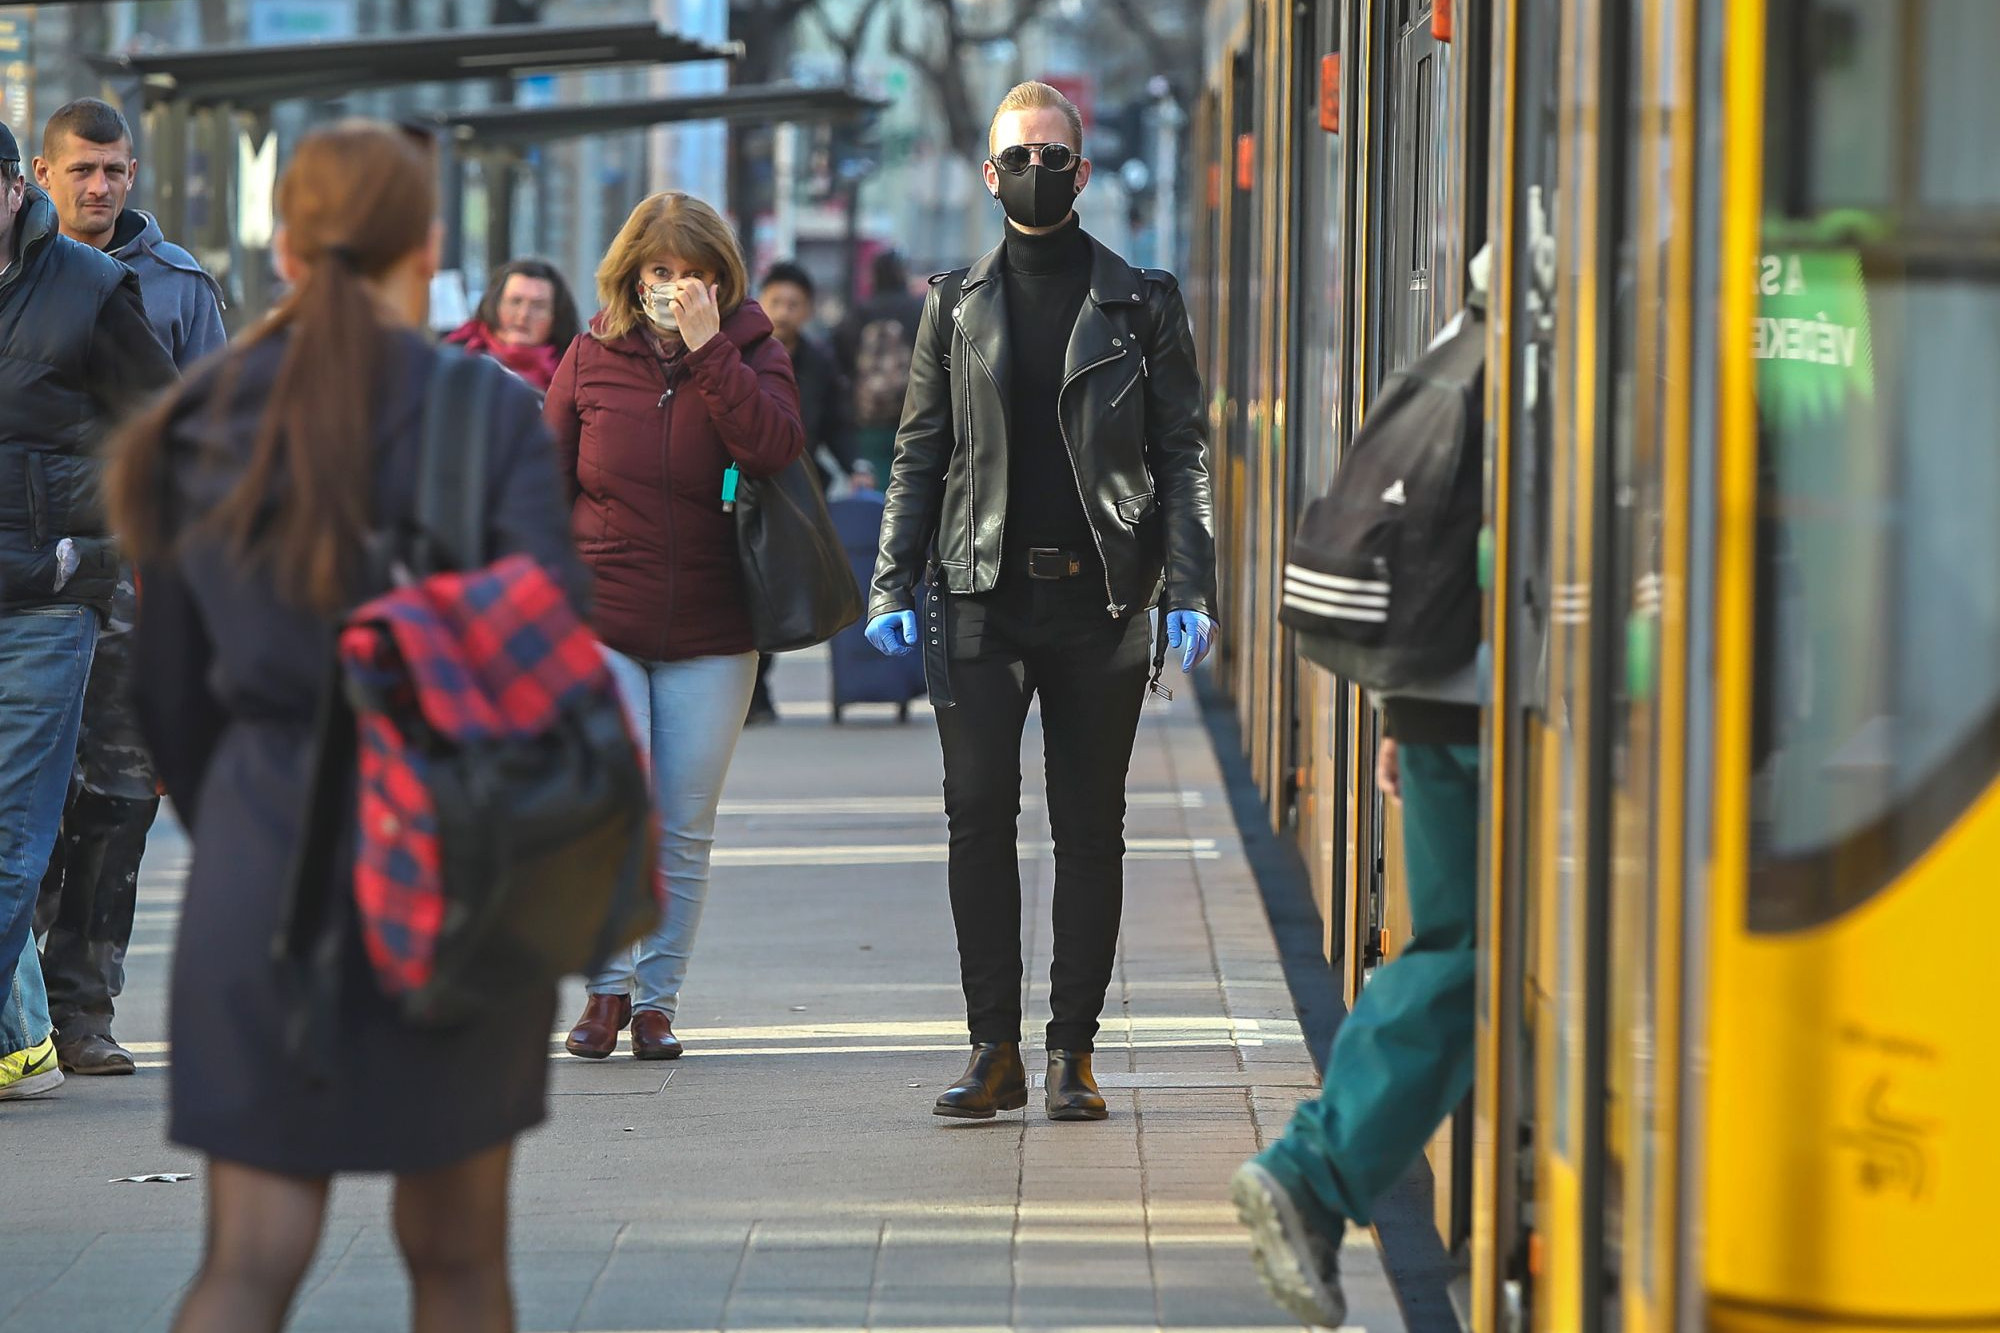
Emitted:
<point x="1072" y="1092"/>
<point x="995" y="1080"/>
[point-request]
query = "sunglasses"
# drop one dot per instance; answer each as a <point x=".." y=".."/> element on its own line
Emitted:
<point x="1018" y="158"/>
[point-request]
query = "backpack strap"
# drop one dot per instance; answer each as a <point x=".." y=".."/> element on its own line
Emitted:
<point x="451" y="466"/>
<point x="311" y="936"/>
<point x="450" y="534"/>
<point x="950" y="287"/>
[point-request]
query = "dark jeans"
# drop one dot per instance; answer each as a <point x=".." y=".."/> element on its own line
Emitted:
<point x="44" y="664"/>
<point x="1053" y="640"/>
<point x="87" y="902"/>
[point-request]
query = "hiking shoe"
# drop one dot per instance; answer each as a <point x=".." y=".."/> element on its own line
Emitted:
<point x="34" y="1072"/>
<point x="1299" y="1268"/>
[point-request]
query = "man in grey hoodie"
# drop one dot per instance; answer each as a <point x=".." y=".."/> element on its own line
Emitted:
<point x="87" y="168"/>
<point x="90" y="891"/>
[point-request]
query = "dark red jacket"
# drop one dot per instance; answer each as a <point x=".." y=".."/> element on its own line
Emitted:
<point x="644" y="445"/>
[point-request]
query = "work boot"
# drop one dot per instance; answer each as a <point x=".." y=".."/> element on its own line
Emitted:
<point x="596" y="1033"/>
<point x="1300" y="1268"/>
<point x="653" y="1036"/>
<point x="994" y="1080"/>
<point x="1072" y="1092"/>
<point x="95" y="1053"/>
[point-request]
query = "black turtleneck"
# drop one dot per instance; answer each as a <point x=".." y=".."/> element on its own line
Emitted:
<point x="1048" y="279"/>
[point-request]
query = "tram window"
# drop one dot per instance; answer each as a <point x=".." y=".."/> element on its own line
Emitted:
<point x="1878" y="691"/>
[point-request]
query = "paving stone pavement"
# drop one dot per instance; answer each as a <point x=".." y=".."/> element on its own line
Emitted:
<point x="788" y="1173"/>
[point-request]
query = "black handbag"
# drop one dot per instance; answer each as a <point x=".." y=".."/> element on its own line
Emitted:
<point x="797" y="583"/>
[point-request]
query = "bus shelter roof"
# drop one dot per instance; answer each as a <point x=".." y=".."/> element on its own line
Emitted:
<point x="259" y="75"/>
<point x="504" y="127"/>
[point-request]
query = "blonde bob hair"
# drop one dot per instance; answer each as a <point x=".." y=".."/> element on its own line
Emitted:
<point x="668" y="223"/>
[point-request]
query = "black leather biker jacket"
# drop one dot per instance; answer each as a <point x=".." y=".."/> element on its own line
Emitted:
<point x="1132" y="414"/>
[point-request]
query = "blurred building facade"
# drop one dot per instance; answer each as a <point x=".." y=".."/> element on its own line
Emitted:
<point x="830" y="194"/>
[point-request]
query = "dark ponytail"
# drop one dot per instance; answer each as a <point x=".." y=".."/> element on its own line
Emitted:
<point x="356" y="201"/>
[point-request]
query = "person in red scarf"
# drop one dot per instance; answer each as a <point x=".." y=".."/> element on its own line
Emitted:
<point x="525" y="321"/>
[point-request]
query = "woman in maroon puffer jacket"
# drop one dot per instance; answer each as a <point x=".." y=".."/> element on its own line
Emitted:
<point x="677" y="379"/>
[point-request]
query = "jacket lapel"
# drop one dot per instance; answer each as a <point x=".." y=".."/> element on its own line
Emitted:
<point x="982" y="316"/>
<point x="1095" y="339"/>
<point x="1100" y="336"/>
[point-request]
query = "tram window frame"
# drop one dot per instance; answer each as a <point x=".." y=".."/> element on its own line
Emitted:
<point x="1826" y="852"/>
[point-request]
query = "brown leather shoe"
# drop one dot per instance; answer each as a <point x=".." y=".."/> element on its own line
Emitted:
<point x="596" y="1033"/>
<point x="653" y="1036"/>
<point x="94" y="1054"/>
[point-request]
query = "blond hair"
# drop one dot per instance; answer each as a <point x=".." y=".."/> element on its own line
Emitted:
<point x="668" y="223"/>
<point x="1036" y="96"/>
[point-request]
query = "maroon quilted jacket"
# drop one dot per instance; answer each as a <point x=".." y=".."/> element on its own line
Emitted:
<point x="643" y="444"/>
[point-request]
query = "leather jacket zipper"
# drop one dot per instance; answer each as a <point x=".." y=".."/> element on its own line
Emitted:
<point x="1097" y="539"/>
<point x="972" y="466"/>
<point x="1129" y="386"/>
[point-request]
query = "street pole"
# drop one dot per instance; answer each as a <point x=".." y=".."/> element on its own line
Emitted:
<point x="785" y="207"/>
<point x="1167" y="122"/>
<point x="851" y="245"/>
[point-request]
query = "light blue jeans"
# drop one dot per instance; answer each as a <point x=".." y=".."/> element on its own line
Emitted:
<point x="44" y="664"/>
<point x="688" y="716"/>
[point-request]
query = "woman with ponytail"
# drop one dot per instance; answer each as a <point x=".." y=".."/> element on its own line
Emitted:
<point x="248" y="499"/>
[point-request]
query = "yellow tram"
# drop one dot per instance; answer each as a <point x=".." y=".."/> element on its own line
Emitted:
<point x="1742" y="816"/>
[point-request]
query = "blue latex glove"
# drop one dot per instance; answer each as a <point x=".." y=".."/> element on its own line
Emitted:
<point x="1191" y="632"/>
<point x="894" y="633"/>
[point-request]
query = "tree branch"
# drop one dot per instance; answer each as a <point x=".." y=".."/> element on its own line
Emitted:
<point x="1025" y="12"/>
<point x="849" y="42"/>
<point x="942" y="74"/>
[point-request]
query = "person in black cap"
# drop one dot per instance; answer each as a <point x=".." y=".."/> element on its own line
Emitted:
<point x="76" y="353"/>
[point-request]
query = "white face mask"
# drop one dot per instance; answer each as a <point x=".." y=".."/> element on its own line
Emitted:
<point x="660" y="308"/>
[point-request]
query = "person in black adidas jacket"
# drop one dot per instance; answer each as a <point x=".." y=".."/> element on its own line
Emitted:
<point x="1403" y="1056"/>
<point x="1053" y="456"/>
<point x="76" y="352"/>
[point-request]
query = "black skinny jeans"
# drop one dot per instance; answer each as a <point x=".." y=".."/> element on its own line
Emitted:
<point x="1051" y="639"/>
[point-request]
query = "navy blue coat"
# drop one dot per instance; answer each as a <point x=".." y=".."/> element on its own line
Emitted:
<point x="229" y="679"/>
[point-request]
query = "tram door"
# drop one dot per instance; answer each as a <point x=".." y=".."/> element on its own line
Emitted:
<point x="1239" y="310"/>
<point x="1521" y="398"/>
<point x="1402" y="322"/>
<point x="1410" y="216"/>
<point x="1420" y="138"/>
<point x="1546" y="1096"/>
<point x="1853" y="1172"/>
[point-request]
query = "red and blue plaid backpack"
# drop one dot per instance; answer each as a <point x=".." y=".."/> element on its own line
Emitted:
<point x="504" y="830"/>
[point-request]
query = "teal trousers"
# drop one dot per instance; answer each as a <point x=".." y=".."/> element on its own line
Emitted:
<point x="1402" y="1060"/>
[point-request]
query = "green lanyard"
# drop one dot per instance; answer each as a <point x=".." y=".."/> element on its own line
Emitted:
<point x="731" y="478"/>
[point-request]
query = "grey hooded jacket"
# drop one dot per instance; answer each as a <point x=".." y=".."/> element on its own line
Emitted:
<point x="183" y="304"/>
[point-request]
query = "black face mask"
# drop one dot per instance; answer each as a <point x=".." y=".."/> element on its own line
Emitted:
<point x="1038" y="197"/>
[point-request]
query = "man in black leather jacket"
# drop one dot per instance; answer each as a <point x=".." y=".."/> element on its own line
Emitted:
<point x="76" y="351"/>
<point x="1051" y="475"/>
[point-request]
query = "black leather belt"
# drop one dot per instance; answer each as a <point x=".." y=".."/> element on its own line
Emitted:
<point x="1046" y="562"/>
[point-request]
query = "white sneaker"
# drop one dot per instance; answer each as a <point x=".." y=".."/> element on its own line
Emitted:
<point x="1299" y="1267"/>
